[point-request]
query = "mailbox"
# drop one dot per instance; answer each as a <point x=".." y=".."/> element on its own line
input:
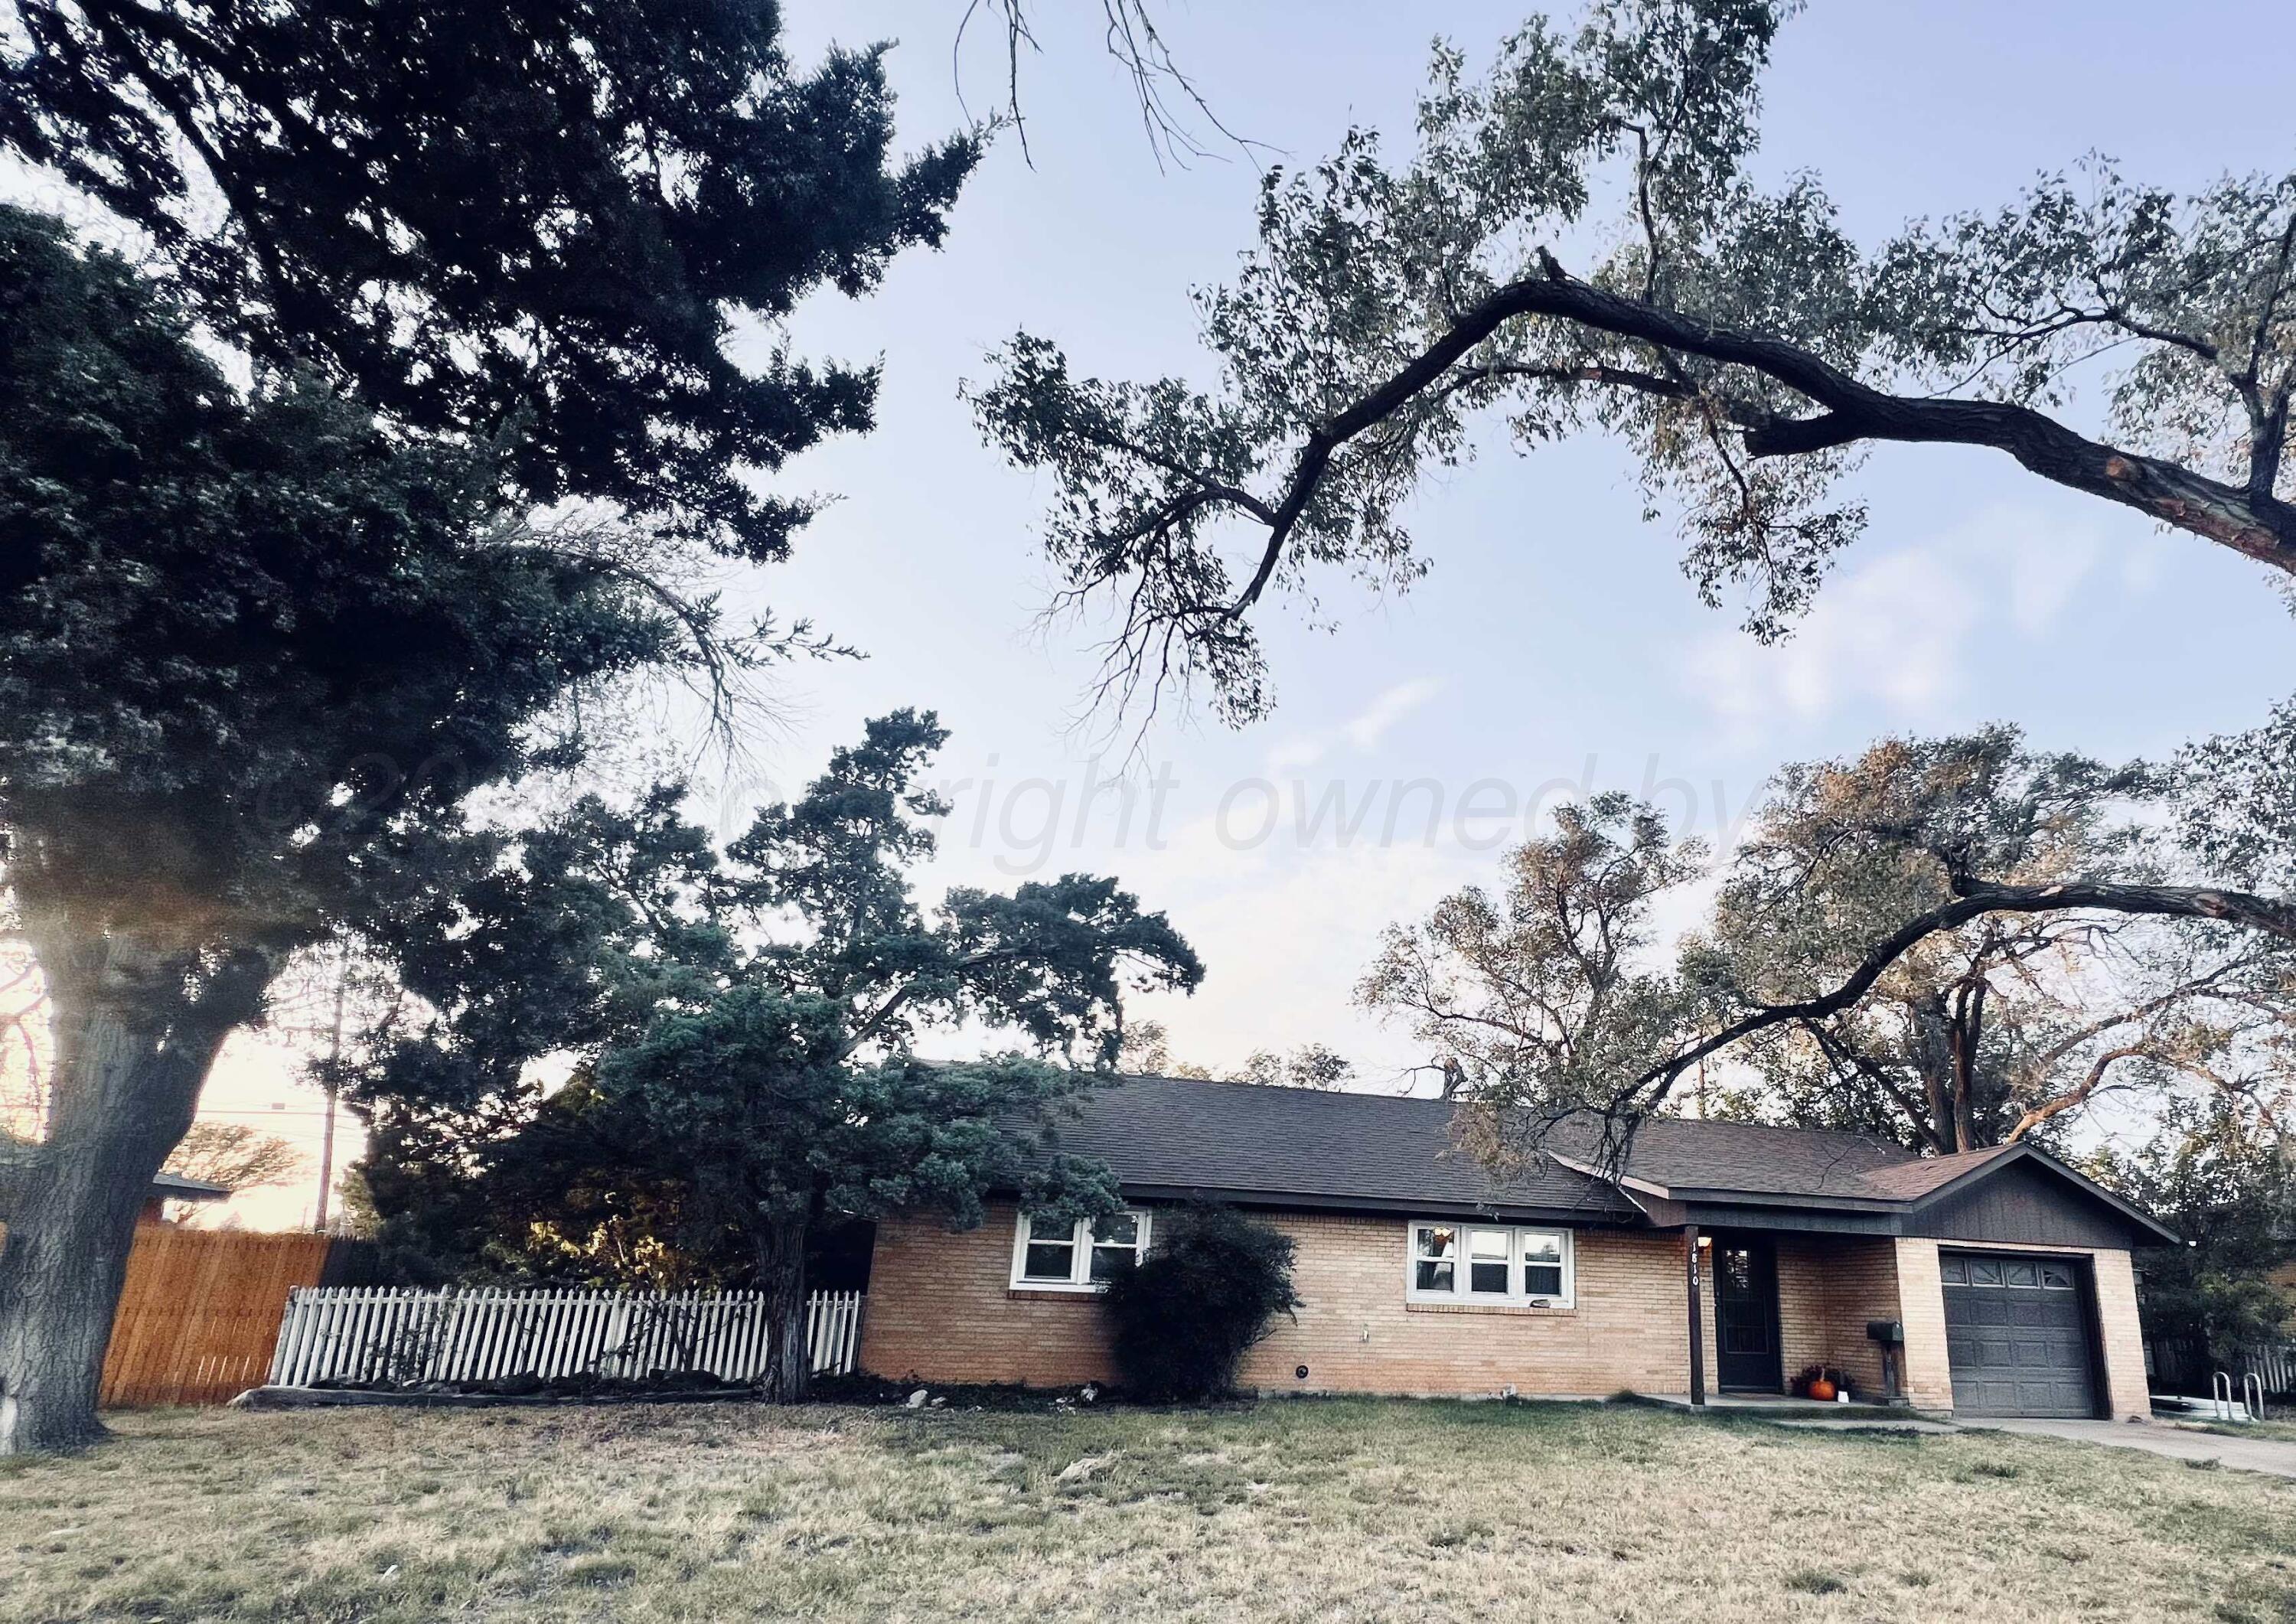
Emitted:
<point x="1888" y="1333"/>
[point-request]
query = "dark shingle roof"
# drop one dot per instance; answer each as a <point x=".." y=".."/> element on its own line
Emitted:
<point x="1245" y="1140"/>
<point x="1910" y="1180"/>
<point x="1304" y="1147"/>
<point x="1672" y="1154"/>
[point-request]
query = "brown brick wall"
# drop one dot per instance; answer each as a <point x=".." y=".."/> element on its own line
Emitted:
<point x="1628" y="1329"/>
<point x="1829" y="1286"/>
<point x="940" y="1310"/>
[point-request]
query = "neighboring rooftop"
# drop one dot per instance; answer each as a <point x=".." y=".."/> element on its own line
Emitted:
<point x="176" y="1187"/>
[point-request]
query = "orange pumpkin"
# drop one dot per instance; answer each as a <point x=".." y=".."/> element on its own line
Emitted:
<point x="1822" y="1390"/>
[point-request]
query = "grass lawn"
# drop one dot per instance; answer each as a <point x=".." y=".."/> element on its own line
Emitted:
<point x="2278" y="1431"/>
<point x="1288" y="1510"/>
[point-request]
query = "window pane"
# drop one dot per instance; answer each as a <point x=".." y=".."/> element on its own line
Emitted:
<point x="1433" y="1277"/>
<point x="2056" y="1278"/>
<point x="1486" y="1261"/>
<point x="2023" y="1274"/>
<point x="1121" y="1230"/>
<point x="1953" y="1271"/>
<point x="1982" y="1272"/>
<point x="1543" y="1279"/>
<point x="1107" y="1259"/>
<point x="1541" y="1248"/>
<point x="1048" y="1260"/>
<point x="1435" y="1240"/>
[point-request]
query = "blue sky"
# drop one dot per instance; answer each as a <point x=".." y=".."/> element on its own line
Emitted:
<point x="1555" y="630"/>
<point x="1555" y="643"/>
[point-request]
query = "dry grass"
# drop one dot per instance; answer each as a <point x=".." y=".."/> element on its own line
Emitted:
<point x="1295" y="1511"/>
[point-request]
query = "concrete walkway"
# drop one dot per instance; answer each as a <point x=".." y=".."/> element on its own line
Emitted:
<point x="2155" y="1438"/>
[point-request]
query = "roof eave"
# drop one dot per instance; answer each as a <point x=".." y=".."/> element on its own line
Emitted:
<point x="1431" y="1207"/>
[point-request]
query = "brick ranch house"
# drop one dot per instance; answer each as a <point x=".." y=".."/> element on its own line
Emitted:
<point x="1724" y="1257"/>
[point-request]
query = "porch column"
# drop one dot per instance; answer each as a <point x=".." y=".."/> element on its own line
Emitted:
<point x="1697" y="1317"/>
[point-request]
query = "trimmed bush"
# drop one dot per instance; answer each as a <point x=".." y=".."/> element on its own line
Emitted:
<point x="1212" y="1284"/>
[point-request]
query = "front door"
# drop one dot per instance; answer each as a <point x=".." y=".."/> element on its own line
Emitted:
<point x="1746" y="1314"/>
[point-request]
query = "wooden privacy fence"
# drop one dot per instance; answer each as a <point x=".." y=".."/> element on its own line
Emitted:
<point x="201" y="1310"/>
<point x="390" y="1336"/>
<point x="2184" y="1364"/>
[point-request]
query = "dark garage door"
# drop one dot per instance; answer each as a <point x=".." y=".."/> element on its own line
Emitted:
<point x="2017" y="1335"/>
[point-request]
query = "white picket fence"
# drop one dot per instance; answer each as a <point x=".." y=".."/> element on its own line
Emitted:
<point x="2275" y="1367"/>
<point x="392" y="1336"/>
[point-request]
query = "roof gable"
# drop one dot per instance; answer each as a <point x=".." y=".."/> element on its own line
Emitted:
<point x="2016" y="1186"/>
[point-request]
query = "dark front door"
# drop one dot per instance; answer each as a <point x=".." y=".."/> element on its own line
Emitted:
<point x="1746" y="1314"/>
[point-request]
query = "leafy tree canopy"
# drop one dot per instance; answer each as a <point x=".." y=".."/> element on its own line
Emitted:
<point x="257" y="652"/>
<point x="742" y="1029"/>
<point x="531" y="224"/>
<point x="1551" y="989"/>
<point x="258" y="649"/>
<point x="2223" y="1176"/>
<point x="1578" y="244"/>
<point x="1905" y="945"/>
<point x="235" y="1156"/>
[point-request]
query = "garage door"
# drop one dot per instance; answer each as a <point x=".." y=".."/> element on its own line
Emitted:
<point x="2017" y="1336"/>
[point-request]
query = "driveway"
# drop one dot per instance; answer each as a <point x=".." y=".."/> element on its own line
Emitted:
<point x="2178" y="1443"/>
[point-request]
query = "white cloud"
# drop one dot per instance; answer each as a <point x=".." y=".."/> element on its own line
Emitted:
<point x="1295" y="755"/>
<point x="1896" y="632"/>
<point x="1363" y="731"/>
<point x="1366" y="729"/>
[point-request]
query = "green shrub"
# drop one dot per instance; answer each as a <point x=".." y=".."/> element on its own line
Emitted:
<point x="1212" y="1283"/>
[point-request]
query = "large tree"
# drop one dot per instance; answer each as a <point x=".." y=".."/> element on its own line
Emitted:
<point x="1804" y="997"/>
<point x="2224" y="1176"/>
<point x="2004" y="1024"/>
<point x="1735" y="337"/>
<point x="742" y="1030"/>
<point x="259" y="652"/>
<point x="263" y="638"/>
<point x="534" y="224"/>
<point x="1578" y="244"/>
<point x="1549" y="991"/>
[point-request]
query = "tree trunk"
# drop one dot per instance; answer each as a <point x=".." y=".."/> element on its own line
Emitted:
<point x="781" y="1276"/>
<point x="131" y="1050"/>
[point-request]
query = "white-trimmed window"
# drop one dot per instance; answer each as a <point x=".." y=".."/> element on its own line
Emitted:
<point x="1520" y="1264"/>
<point x="1079" y="1257"/>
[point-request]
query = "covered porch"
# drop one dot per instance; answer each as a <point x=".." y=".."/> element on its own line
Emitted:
<point x="1940" y="1326"/>
<point x="1994" y="1281"/>
<point x="1768" y="1306"/>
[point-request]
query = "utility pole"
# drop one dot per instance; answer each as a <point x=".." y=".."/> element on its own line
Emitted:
<point x="333" y="1085"/>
